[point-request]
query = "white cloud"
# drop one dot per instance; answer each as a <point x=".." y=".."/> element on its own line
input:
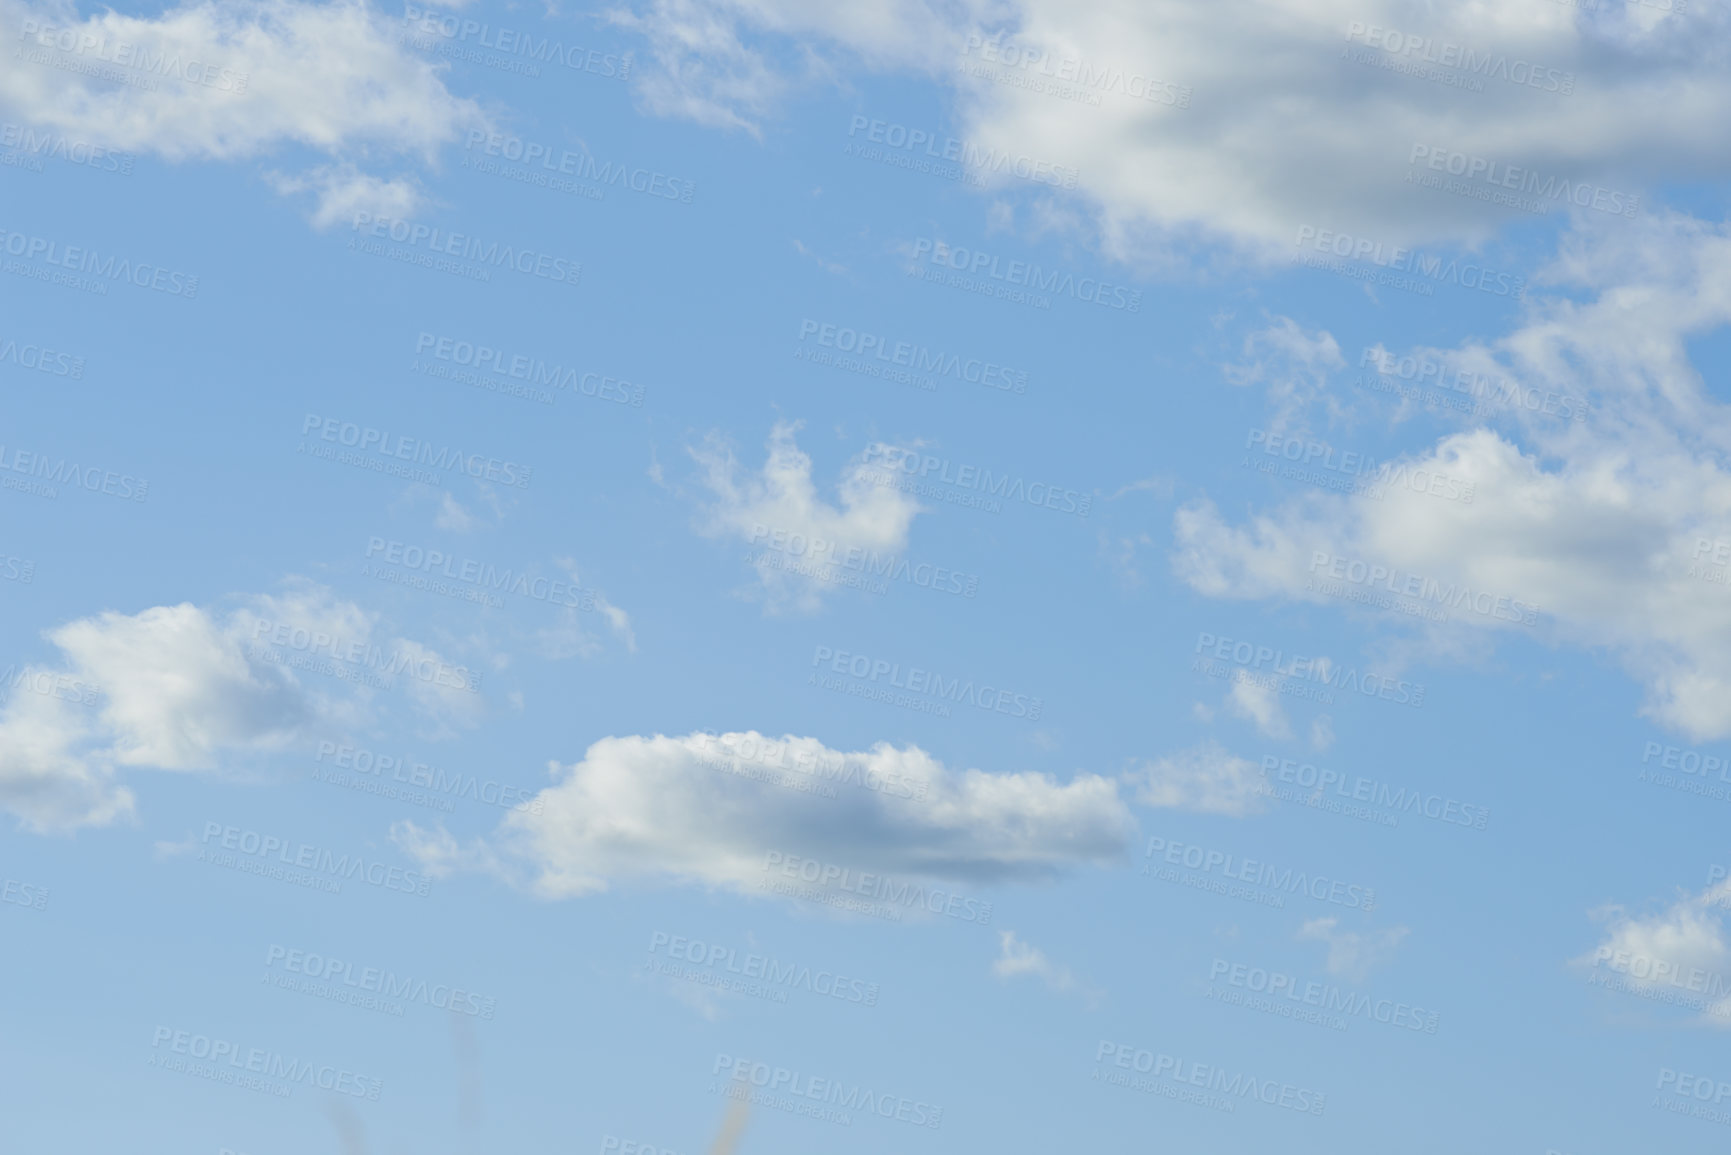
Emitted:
<point x="1259" y="703"/>
<point x="330" y="77"/>
<point x="1682" y="949"/>
<point x="1206" y="778"/>
<point x="342" y="191"/>
<point x="779" y="506"/>
<point x="181" y="688"/>
<point x="49" y="778"/>
<point x="735" y="63"/>
<point x="1322" y="733"/>
<point x="1017" y="958"/>
<point x="1352" y="955"/>
<point x="704" y="810"/>
<point x="1282" y="128"/>
<point x="1596" y="522"/>
<point x="618" y="619"/>
<point x="1291" y="364"/>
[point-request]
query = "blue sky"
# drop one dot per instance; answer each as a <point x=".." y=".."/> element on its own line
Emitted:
<point x="987" y="576"/>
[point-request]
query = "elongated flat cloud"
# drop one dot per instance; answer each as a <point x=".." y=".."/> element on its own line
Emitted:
<point x="726" y="810"/>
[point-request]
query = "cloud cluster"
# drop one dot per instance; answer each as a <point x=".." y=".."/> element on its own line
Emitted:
<point x="231" y="81"/>
<point x="181" y="688"/>
<point x="1605" y="532"/>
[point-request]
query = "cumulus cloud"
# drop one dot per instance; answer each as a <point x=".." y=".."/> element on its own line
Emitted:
<point x="227" y="82"/>
<point x="181" y="688"/>
<point x="1242" y="137"/>
<point x="738" y="810"/>
<point x="50" y="778"/>
<point x="804" y="541"/>
<point x="1352" y="954"/>
<point x="1681" y="949"/>
<point x="1602" y="530"/>
<point x="1206" y="778"/>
